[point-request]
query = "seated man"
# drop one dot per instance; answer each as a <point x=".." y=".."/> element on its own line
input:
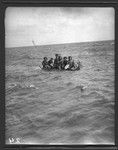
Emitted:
<point x="70" y="63"/>
<point x="64" y="63"/>
<point x="60" y="62"/>
<point x="51" y="63"/>
<point x="45" y="63"/>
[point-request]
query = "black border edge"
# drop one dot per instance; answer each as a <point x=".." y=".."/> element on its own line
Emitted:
<point x="59" y="1"/>
<point x="116" y="75"/>
<point x="2" y="76"/>
<point x="10" y="3"/>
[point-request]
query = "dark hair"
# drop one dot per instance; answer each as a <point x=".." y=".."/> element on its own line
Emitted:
<point x="60" y="57"/>
<point x="65" y="57"/>
<point x="45" y="58"/>
<point x="69" y="56"/>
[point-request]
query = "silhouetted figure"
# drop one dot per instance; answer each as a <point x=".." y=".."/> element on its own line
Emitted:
<point x="60" y="62"/>
<point x="45" y="63"/>
<point x="51" y="63"/>
<point x="56" y="61"/>
<point x="64" y="62"/>
<point x="70" y="63"/>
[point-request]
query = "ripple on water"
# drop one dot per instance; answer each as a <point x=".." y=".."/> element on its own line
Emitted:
<point x="47" y="107"/>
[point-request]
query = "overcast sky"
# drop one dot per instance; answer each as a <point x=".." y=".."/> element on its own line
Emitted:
<point x="54" y="25"/>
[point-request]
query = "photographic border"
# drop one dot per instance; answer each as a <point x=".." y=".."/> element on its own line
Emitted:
<point x="52" y="3"/>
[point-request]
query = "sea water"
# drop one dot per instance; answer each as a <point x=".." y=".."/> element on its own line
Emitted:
<point x="62" y="107"/>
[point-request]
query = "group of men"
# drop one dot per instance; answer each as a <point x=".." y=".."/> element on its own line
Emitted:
<point x="60" y="63"/>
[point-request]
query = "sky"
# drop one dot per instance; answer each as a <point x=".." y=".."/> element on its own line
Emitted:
<point x="57" y="25"/>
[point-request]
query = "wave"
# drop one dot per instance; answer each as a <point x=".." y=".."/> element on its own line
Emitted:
<point x="63" y="107"/>
<point x="25" y="56"/>
<point x="15" y="87"/>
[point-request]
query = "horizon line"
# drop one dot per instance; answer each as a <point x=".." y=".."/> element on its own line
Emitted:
<point x="60" y="43"/>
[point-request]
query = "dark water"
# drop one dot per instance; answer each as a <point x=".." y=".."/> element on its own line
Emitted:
<point x="50" y="107"/>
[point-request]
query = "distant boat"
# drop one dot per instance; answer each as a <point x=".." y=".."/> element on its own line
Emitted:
<point x="66" y="68"/>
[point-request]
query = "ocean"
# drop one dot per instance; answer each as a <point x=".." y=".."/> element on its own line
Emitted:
<point x="49" y="107"/>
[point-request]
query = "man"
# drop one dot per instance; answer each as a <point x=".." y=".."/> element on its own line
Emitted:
<point x="60" y="62"/>
<point x="70" y="63"/>
<point x="64" y="63"/>
<point x="51" y="63"/>
<point x="45" y="63"/>
<point x="56" y="61"/>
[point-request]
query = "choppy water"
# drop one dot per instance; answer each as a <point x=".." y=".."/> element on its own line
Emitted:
<point x="49" y="107"/>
